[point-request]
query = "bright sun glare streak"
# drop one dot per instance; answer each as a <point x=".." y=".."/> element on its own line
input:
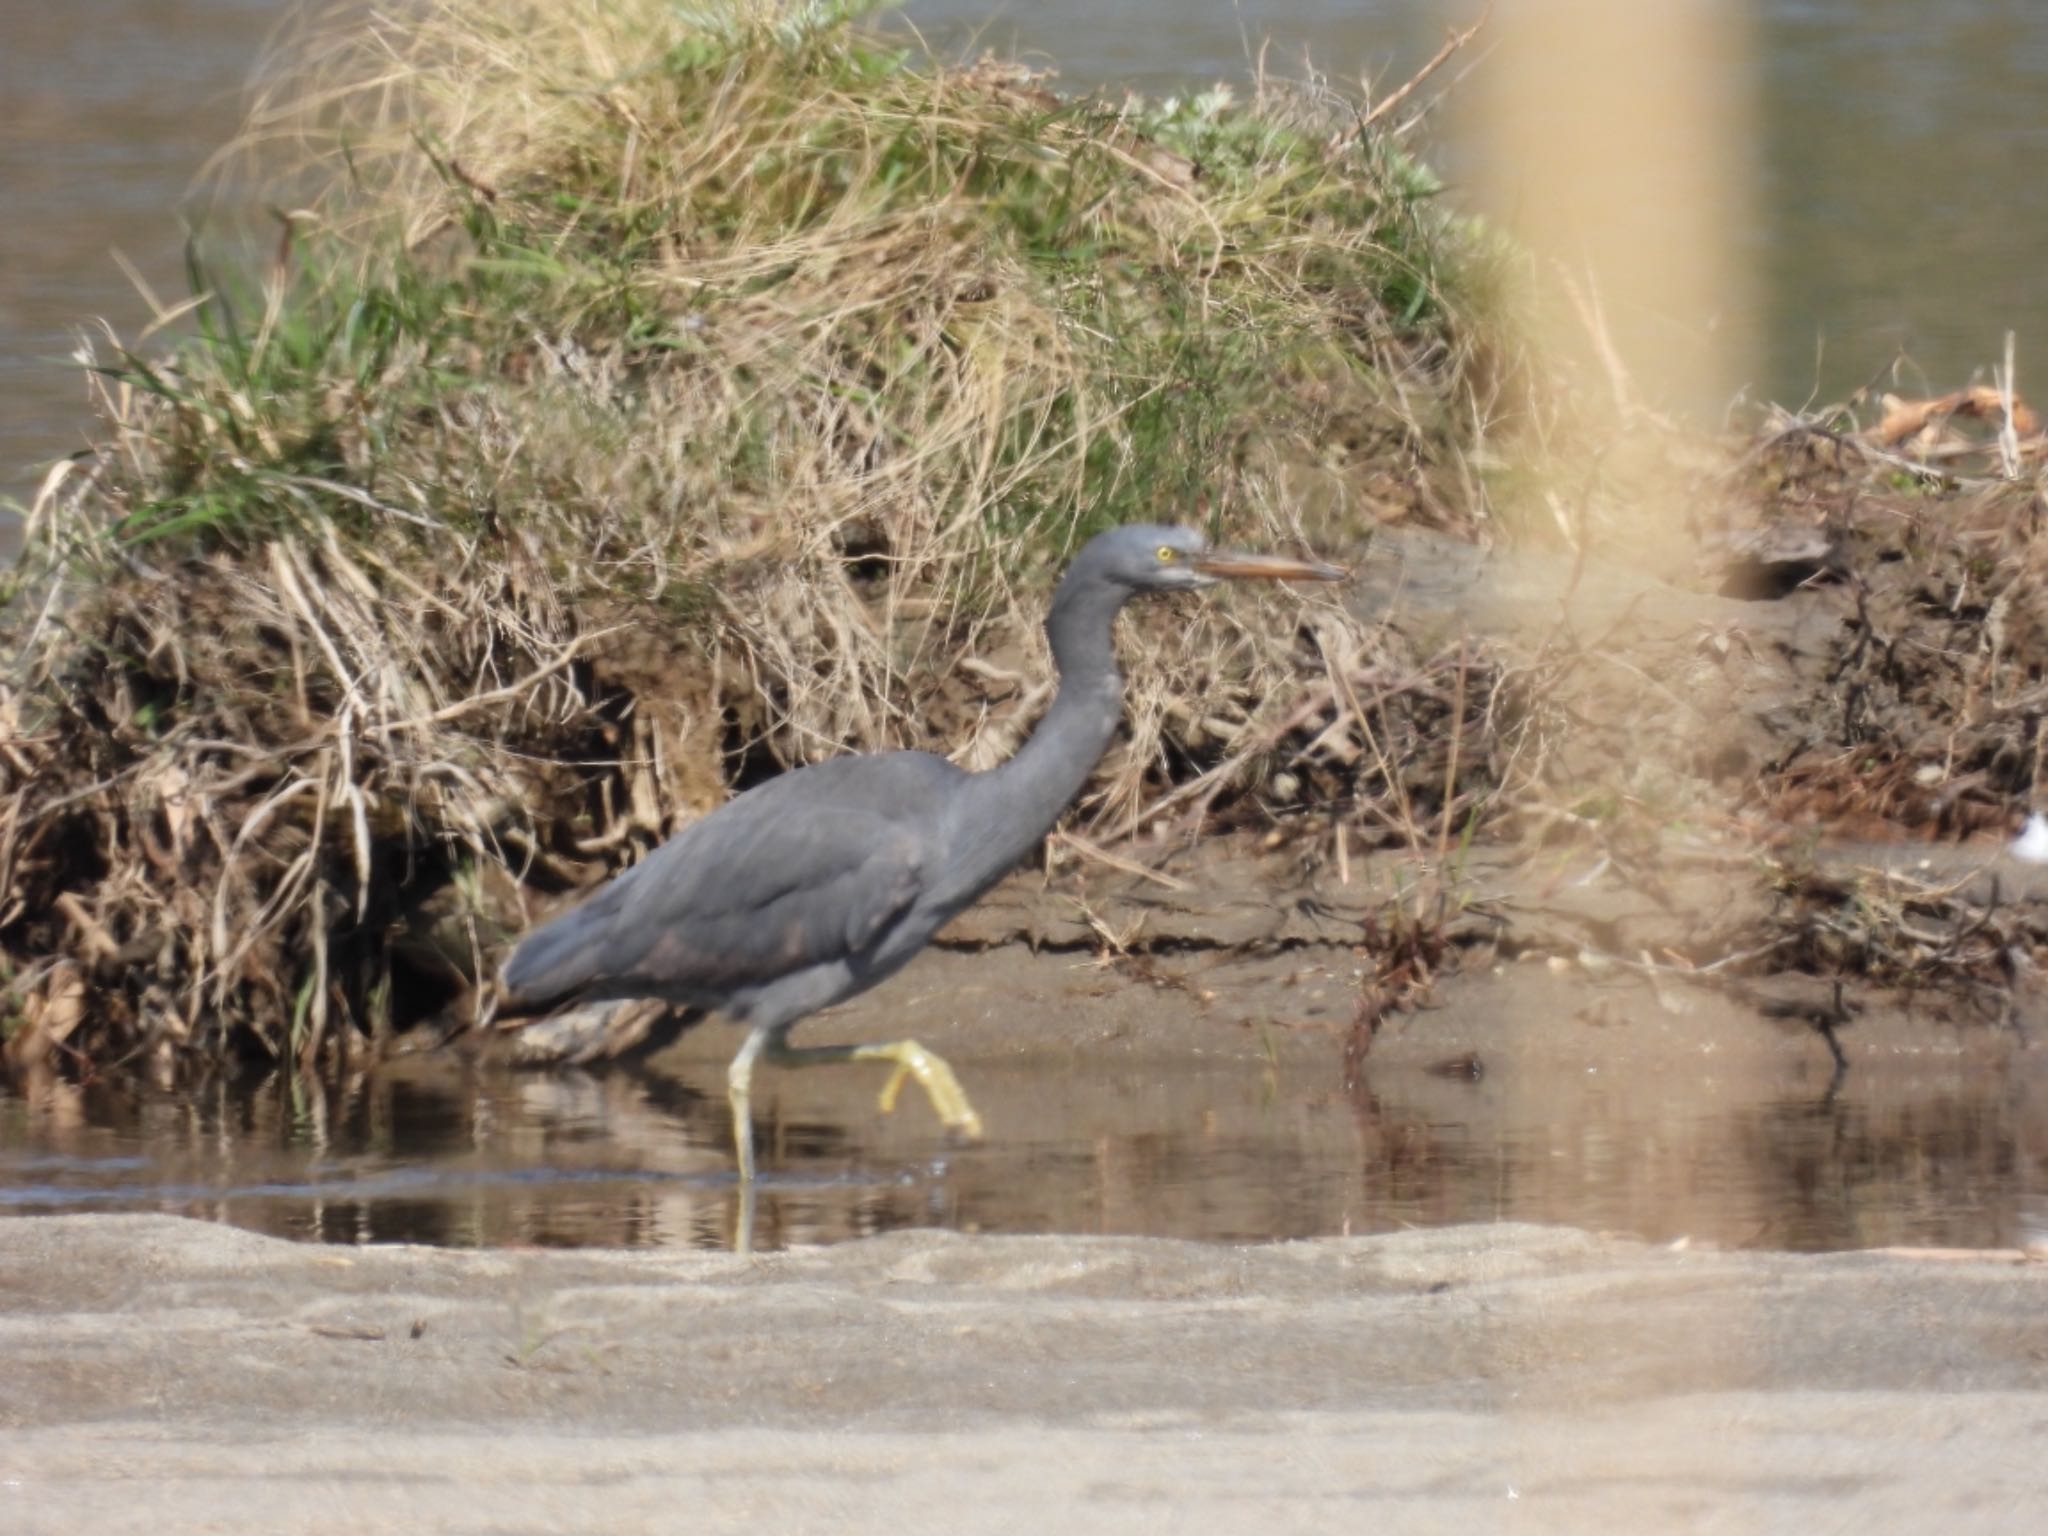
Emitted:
<point x="1613" y="138"/>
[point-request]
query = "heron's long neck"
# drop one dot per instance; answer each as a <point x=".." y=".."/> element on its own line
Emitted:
<point x="1019" y="801"/>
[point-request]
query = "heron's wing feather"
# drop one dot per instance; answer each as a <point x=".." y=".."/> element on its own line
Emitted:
<point x="734" y="901"/>
<point x="810" y="884"/>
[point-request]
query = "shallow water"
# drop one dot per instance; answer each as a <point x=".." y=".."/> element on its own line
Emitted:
<point x="1939" y="1152"/>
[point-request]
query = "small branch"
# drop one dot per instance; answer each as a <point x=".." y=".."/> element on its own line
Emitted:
<point x="476" y="184"/>
<point x="510" y="691"/>
<point x="96" y="938"/>
<point x="1088" y="850"/>
<point x="1452" y="44"/>
<point x="350" y="493"/>
<point x="2008" y="434"/>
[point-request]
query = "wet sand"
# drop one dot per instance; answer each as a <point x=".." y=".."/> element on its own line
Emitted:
<point x="164" y="1374"/>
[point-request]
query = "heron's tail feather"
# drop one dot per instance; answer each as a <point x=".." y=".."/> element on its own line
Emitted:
<point x="554" y="962"/>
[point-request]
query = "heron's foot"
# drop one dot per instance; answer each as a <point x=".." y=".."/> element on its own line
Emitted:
<point x="912" y="1060"/>
<point x="908" y="1057"/>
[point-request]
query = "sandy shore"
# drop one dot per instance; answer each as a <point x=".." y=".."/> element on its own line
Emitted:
<point x="162" y="1375"/>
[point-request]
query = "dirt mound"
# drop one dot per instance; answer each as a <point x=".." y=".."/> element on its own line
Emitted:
<point x="643" y="399"/>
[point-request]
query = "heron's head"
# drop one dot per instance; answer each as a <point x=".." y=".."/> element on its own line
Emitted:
<point x="1161" y="557"/>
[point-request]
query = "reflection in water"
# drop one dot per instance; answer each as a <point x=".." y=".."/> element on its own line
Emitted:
<point x="1936" y="1155"/>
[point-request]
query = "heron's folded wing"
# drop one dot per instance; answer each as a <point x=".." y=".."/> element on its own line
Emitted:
<point x="731" y="902"/>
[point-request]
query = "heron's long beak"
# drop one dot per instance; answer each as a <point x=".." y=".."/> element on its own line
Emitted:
<point x="1236" y="565"/>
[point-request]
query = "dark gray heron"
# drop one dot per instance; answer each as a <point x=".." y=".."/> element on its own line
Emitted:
<point x="815" y="886"/>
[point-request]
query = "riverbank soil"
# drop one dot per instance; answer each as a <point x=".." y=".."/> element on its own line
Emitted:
<point x="1786" y="777"/>
<point x="1795" y="756"/>
<point x="695" y="439"/>
<point x="172" y="1375"/>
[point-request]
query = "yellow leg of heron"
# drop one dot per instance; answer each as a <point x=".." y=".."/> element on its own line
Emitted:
<point x="910" y="1060"/>
<point x="739" y="1080"/>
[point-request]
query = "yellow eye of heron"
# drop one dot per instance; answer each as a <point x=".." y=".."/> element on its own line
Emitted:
<point x="1168" y="554"/>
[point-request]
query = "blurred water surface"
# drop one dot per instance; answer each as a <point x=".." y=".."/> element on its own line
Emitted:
<point x="1897" y="203"/>
<point x="1939" y="1151"/>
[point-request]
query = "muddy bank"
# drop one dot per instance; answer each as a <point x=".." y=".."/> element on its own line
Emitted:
<point x="780" y="464"/>
<point x="285" y="788"/>
<point x="169" y="1374"/>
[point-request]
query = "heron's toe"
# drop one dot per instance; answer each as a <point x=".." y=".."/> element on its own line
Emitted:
<point x="968" y="1126"/>
<point x="949" y="1101"/>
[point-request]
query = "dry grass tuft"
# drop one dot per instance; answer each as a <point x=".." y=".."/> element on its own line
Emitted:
<point x="643" y="397"/>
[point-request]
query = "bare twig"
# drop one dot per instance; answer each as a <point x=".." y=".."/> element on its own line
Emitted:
<point x="1457" y="39"/>
<point x="1089" y="850"/>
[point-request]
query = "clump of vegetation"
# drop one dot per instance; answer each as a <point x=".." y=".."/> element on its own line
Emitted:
<point x="643" y="396"/>
<point x="1924" y="717"/>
